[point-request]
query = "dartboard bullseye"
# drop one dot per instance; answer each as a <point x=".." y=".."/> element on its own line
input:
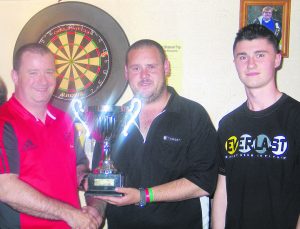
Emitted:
<point x="82" y="59"/>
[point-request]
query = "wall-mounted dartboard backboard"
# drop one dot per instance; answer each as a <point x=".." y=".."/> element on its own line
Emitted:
<point x="89" y="47"/>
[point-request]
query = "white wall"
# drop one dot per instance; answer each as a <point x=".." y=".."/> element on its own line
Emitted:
<point x="206" y="30"/>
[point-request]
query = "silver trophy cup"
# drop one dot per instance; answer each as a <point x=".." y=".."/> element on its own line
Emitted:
<point x="107" y="121"/>
<point x="106" y="177"/>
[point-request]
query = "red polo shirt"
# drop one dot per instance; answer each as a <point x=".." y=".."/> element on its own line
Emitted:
<point x="43" y="155"/>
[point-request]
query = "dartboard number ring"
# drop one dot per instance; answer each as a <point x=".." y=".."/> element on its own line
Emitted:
<point x="82" y="59"/>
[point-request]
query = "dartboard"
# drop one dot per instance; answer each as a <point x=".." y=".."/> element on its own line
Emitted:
<point x="89" y="47"/>
<point x="82" y="59"/>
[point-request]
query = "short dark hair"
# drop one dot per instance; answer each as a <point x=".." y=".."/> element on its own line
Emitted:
<point x="147" y="43"/>
<point x="255" y="31"/>
<point x="31" y="47"/>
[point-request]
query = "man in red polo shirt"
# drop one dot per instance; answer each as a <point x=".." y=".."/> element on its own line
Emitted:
<point x="41" y="165"/>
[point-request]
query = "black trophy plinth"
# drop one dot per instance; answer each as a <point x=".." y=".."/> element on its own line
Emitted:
<point x="102" y="184"/>
<point x="104" y="180"/>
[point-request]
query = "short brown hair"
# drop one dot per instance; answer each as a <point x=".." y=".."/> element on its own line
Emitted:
<point x="147" y="43"/>
<point x="31" y="47"/>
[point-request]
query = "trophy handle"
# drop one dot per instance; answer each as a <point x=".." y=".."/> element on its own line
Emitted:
<point x="77" y="103"/>
<point x="135" y="108"/>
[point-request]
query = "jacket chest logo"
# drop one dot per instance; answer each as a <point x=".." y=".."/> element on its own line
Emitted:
<point x="28" y="145"/>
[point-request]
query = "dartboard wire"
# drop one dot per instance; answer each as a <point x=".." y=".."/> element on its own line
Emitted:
<point x="61" y="69"/>
<point x="64" y="40"/>
<point x="85" y="51"/>
<point x="56" y="50"/>
<point x="78" y="82"/>
<point x="91" y="76"/>
<point x="64" y="84"/>
<point x="61" y="61"/>
<point x="77" y="40"/>
<point x="91" y="46"/>
<point x="94" y="61"/>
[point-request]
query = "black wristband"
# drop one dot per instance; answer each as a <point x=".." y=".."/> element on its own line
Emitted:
<point x="142" y="202"/>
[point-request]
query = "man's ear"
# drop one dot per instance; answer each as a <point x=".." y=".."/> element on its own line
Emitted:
<point x="167" y="68"/>
<point x="278" y="60"/>
<point x="126" y="73"/>
<point x="14" y="76"/>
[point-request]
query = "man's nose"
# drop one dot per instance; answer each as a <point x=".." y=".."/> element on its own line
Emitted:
<point x="43" y="78"/>
<point x="144" y="72"/>
<point x="251" y="62"/>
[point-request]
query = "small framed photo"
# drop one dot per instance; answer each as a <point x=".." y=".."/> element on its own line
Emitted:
<point x="274" y="14"/>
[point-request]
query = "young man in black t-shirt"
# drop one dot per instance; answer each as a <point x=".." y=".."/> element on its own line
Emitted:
<point x="259" y="170"/>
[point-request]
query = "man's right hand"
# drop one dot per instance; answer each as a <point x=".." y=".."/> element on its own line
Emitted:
<point x="82" y="219"/>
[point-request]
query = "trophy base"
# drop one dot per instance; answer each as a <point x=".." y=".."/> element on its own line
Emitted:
<point x="103" y="193"/>
<point x="101" y="184"/>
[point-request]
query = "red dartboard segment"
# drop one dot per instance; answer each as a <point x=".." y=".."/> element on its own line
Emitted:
<point x="82" y="58"/>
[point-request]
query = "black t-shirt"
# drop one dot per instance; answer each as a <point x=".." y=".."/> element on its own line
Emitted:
<point x="260" y="157"/>
<point x="181" y="143"/>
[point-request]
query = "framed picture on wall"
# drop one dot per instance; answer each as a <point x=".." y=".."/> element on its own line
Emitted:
<point x="274" y="14"/>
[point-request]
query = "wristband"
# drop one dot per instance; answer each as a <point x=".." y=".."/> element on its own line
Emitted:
<point x="151" y="195"/>
<point x="142" y="202"/>
<point x="147" y="195"/>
